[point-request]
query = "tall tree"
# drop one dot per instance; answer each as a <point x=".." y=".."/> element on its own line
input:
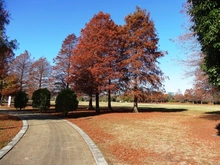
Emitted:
<point x="20" y="68"/>
<point x="195" y="58"/>
<point x="61" y="70"/>
<point x="6" y="57"/>
<point x="5" y="20"/>
<point x="6" y="47"/>
<point x="39" y="74"/>
<point x="97" y="51"/>
<point x="141" y="54"/>
<point x="205" y="15"/>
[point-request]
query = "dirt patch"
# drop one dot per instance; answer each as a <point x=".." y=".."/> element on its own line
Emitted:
<point x="153" y="138"/>
<point x="9" y="127"/>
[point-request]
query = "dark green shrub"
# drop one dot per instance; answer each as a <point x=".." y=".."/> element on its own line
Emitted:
<point x="41" y="99"/>
<point x="66" y="101"/>
<point x="20" y="100"/>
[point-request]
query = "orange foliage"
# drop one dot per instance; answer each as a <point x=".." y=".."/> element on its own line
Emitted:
<point x="61" y="70"/>
<point x="141" y="54"/>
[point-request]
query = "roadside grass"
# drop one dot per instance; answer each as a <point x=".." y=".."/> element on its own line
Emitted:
<point x="200" y="108"/>
<point x="9" y="127"/>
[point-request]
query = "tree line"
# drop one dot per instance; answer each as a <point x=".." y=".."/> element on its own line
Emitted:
<point x="105" y="58"/>
<point x="112" y="59"/>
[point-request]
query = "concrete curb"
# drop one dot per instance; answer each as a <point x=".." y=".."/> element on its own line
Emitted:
<point x="15" y="140"/>
<point x="99" y="158"/>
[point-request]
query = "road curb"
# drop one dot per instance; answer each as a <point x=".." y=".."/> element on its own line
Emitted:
<point x="99" y="158"/>
<point x="15" y="140"/>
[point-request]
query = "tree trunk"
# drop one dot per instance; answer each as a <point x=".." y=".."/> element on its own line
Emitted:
<point x="109" y="97"/>
<point x="135" y="108"/>
<point x="1" y="88"/>
<point x="90" y="104"/>
<point x="1" y="99"/>
<point x="97" y="102"/>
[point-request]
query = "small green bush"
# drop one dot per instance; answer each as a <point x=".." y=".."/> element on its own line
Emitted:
<point x="41" y="99"/>
<point x="66" y="101"/>
<point x="20" y="100"/>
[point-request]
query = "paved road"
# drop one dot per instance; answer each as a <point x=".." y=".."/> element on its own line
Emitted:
<point x="49" y="141"/>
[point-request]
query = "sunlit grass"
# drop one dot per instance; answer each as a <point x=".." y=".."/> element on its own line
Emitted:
<point x="188" y="107"/>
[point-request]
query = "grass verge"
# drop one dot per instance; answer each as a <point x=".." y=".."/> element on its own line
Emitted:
<point x="9" y="127"/>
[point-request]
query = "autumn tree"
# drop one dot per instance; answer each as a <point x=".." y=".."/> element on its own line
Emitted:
<point x="179" y="96"/>
<point x="20" y="69"/>
<point x="39" y="74"/>
<point x="96" y="50"/>
<point x="205" y="17"/>
<point x="189" y="95"/>
<point x="201" y="85"/>
<point x="141" y="54"/>
<point x="83" y="82"/>
<point x="11" y="86"/>
<point x="157" y="96"/>
<point x="6" y="56"/>
<point x="6" y="47"/>
<point x="61" y="70"/>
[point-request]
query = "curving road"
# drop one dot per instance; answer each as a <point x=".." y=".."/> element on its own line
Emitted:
<point x="49" y="141"/>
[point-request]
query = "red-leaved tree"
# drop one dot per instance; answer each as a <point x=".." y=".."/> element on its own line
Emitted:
<point x="140" y="56"/>
<point x="61" y="70"/>
<point x="96" y="54"/>
<point x="20" y="69"/>
<point x="39" y="74"/>
<point x="6" y="57"/>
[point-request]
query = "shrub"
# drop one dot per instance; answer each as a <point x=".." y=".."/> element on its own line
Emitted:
<point x="20" y="100"/>
<point x="41" y="99"/>
<point x="66" y="101"/>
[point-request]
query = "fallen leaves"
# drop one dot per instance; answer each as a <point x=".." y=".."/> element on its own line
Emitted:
<point x="159" y="138"/>
<point x="9" y="127"/>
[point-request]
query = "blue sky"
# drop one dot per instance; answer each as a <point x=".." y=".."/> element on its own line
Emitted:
<point x="40" y="26"/>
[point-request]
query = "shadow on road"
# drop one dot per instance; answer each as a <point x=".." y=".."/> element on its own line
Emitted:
<point x="30" y="114"/>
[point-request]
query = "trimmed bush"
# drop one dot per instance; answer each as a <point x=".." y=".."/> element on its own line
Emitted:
<point x="41" y="99"/>
<point x="20" y="100"/>
<point x="66" y="101"/>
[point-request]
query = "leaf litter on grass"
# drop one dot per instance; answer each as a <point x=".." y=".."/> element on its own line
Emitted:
<point x="153" y="138"/>
<point x="9" y="127"/>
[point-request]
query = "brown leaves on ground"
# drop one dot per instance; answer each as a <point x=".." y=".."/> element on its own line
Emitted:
<point x="9" y="127"/>
<point x="153" y="138"/>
